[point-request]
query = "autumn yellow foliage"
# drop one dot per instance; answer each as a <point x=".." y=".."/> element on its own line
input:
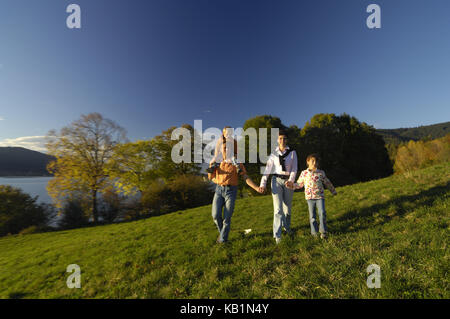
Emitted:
<point x="420" y="154"/>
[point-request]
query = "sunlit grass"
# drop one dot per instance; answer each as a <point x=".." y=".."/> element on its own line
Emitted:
<point x="400" y="223"/>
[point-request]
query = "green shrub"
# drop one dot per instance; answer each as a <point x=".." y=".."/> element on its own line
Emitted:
<point x="19" y="211"/>
<point x="182" y="192"/>
<point x="110" y="205"/>
<point x="73" y="215"/>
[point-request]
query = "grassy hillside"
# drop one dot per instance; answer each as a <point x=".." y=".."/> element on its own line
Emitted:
<point x="400" y="223"/>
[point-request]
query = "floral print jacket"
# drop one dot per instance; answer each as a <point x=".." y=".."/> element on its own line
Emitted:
<point x="314" y="182"/>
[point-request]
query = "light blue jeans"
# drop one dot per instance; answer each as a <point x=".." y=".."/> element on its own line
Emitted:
<point x="320" y="205"/>
<point x="282" y="204"/>
<point x="224" y="198"/>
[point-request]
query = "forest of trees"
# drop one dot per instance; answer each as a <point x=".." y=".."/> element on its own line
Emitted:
<point x="402" y="135"/>
<point x="350" y="151"/>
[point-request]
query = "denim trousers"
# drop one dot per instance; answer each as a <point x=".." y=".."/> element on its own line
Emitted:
<point x="224" y="199"/>
<point x="282" y="204"/>
<point x="318" y="204"/>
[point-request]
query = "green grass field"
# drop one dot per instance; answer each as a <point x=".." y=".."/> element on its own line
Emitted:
<point x="400" y="223"/>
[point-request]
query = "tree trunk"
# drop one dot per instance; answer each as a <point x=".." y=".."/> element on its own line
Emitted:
<point x="94" y="205"/>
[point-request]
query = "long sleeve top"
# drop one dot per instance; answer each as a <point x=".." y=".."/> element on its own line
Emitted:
<point x="314" y="182"/>
<point x="274" y="166"/>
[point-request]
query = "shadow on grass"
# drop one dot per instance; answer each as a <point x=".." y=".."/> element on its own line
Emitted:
<point x="18" y="295"/>
<point x="360" y="219"/>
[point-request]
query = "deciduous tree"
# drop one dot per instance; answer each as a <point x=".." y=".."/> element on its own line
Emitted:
<point x="82" y="151"/>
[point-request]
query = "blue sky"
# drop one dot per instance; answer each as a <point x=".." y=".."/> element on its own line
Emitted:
<point x="150" y="65"/>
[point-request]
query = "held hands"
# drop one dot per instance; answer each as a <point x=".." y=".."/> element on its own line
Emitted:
<point x="292" y="185"/>
<point x="260" y="190"/>
<point x="289" y="185"/>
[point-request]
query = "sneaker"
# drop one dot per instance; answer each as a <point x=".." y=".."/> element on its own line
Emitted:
<point x="277" y="240"/>
<point x="323" y="236"/>
<point x="211" y="169"/>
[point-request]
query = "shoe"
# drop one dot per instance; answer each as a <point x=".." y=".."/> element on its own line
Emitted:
<point x="323" y="236"/>
<point x="277" y="240"/>
<point x="211" y="169"/>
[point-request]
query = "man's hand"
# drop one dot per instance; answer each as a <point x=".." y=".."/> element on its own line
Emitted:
<point x="262" y="190"/>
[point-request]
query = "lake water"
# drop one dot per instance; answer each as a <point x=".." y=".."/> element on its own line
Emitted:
<point x="34" y="186"/>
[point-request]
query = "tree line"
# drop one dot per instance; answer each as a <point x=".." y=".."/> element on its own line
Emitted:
<point x="100" y="176"/>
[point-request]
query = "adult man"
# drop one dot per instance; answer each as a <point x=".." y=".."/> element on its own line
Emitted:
<point x="282" y="164"/>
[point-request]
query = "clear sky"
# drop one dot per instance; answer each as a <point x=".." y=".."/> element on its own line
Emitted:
<point x="150" y="65"/>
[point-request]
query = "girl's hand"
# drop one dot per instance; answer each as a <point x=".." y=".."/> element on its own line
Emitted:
<point x="298" y="186"/>
<point x="289" y="184"/>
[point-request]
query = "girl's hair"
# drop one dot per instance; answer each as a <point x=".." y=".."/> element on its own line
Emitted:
<point x="224" y="143"/>
<point x="315" y="156"/>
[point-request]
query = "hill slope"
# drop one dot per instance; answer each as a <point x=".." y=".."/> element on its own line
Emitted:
<point x="400" y="223"/>
<point x="399" y="135"/>
<point x="19" y="161"/>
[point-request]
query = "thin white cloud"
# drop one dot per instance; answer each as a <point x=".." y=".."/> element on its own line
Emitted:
<point x="2" y="118"/>
<point x="35" y="143"/>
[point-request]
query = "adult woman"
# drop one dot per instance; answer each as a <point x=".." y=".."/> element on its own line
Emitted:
<point x="226" y="176"/>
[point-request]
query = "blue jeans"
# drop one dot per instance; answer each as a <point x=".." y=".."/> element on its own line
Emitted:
<point x="224" y="198"/>
<point x="282" y="204"/>
<point x="320" y="205"/>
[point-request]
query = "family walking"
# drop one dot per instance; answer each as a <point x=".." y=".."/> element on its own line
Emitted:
<point x="224" y="171"/>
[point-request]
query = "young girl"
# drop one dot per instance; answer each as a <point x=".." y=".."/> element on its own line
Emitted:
<point x="314" y="180"/>
<point x="221" y="151"/>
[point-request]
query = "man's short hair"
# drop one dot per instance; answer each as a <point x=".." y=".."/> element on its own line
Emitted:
<point x="283" y="133"/>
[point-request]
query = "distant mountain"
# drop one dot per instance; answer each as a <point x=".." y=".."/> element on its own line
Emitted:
<point x="19" y="161"/>
<point x="398" y="135"/>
